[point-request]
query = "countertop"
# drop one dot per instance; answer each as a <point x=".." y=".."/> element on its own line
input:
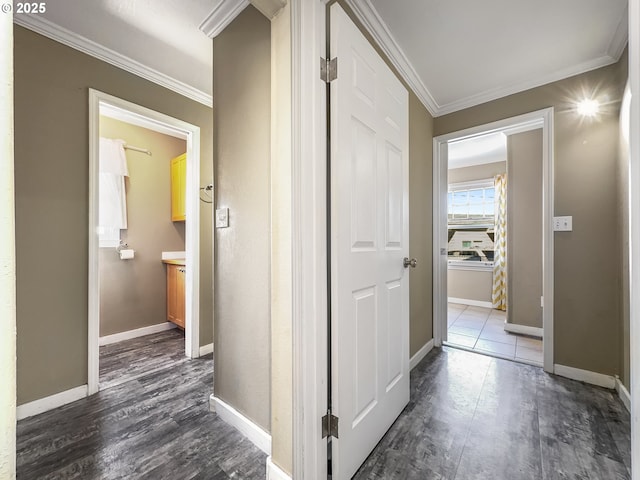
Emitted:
<point x="175" y="261"/>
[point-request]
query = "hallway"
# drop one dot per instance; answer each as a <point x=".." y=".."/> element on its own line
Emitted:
<point x="473" y="417"/>
<point x="156" y="426"/>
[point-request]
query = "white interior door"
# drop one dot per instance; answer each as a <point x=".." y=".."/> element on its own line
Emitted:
<point x="369" y="239"/>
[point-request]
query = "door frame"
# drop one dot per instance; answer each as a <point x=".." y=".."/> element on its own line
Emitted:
<point x="521" y="123"/>
<point x="634" y="231"/>
<point x="164" y="124"/>
<point x="309" y="238"/>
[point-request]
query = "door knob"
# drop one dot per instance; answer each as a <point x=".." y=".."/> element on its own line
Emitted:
<point x="409" y="263"/>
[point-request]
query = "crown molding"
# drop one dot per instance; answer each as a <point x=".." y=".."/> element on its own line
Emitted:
<point x="371" y="20"/>
<point x="71" y="39"/>
<point x="222" y="15"/>
<point x="494" y="94"/>
<point x="375" y="25"/>
<point x="269" y="8"/>
<point x="620" y="37"/>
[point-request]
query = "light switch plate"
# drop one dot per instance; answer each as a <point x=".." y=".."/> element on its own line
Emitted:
<point x="222" y="217"/>
<point x="563" y="224"/>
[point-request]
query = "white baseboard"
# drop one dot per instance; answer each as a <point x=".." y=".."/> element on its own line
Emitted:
<point x="49" y="403"/>
<point x="230" y="415"/>
<point x="471" y="303"/>
<point x="623" y="393"/>
<point x="206" y="349"/>
<point x="138" y="332"/>
<point x="274" y="472"/>
<point x="420" y="354"/>
<point x="586" y="376"/>
<point x="523" y="330"/>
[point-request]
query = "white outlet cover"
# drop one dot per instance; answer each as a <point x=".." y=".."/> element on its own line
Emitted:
<point x="222" y="217"/>
<point x="563" y="224"/>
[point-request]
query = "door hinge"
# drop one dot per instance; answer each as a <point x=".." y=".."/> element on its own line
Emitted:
<point x="328" y="69"/>
<point x="329" y="426"/>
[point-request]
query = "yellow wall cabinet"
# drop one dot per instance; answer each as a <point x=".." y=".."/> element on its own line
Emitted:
<point x="179" y="188"/>
<point x="175" y="294"/>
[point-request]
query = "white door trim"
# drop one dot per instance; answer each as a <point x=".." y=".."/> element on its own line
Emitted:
<point x="541" y="118"/>
<point x="440" y="293"/>
<point x="156" y="121"/>
<point x="634" y="230"/>
<point x="309" y="243"/>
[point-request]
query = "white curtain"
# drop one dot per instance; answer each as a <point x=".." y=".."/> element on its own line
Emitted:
<point x="112" y="210"/>
<point x="499" y="296"/>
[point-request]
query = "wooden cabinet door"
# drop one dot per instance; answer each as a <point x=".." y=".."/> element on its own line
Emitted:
<point x="179" y="188"/>
<point x="175" y="294"/>
<point x="172" y="300"/>
<point x="180" y="294"/>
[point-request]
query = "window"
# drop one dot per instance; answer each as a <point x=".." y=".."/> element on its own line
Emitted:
<point x="471" y="225"/>
<point x="471" y="203"/>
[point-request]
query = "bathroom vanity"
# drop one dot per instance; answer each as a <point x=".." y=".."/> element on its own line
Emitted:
<point x="175" y="291"/>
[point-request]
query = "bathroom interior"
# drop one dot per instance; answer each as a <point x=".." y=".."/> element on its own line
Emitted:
<point x="494" y="262"/>
<point x="141" y="230"/>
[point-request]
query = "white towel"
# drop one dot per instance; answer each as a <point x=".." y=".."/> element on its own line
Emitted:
<point x="112" y="157"/>
<point x="112" y="210"/>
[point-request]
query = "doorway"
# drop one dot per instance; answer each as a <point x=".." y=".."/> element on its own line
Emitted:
<point x="494" y="261"/>
<point x="474" y="305"/>
<point x="189" y="136"/>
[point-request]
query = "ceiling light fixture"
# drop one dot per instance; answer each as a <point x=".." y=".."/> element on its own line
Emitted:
<point x="588" y="107"/>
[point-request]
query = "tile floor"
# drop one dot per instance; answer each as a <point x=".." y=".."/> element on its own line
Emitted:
<point x="482" y="330"/>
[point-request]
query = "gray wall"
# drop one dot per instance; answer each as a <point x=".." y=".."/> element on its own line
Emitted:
<point x="587" y="301"/>
<point x="476" y="172"/>
<point x="469" y="284"/>
<point x="52" y="172"/>
<point x="524" y="228"/>
<point x="133" y="293"/>
<point x="242" y="96"/>
<point x="420" y="232"/>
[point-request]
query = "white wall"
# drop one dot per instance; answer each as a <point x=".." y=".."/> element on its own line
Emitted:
<point x="281" y="246"/>
<point x="7" y="258"/>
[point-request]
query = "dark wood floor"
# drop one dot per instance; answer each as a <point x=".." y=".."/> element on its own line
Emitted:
<point x="470" y="417"/>
<point x="130" y="359"/>
<point x="473" y="417"/>
<point x="156" y="426"/>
